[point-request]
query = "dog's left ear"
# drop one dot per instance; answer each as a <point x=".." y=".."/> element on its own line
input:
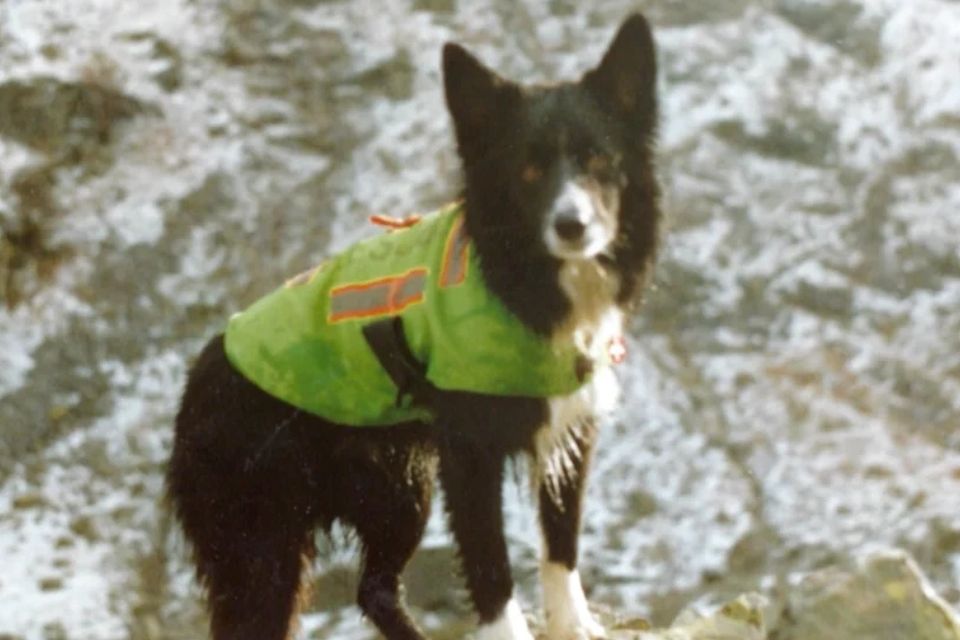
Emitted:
<point x="477" y="97"/>
<point x="625" y="82"/>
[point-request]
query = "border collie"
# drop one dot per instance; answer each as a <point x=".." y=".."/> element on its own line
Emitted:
<point x="560" y="211"/>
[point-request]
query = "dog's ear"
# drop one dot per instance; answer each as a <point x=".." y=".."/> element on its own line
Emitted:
<point x="625" y="82"/>
<point x="476" y="96"/>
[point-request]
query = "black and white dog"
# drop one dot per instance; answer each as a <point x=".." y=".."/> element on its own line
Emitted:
<point x="561" y="208"/>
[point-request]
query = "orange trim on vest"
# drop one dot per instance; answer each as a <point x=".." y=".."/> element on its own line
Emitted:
<point x="395" y="223"/>
<point x="454" y="270"/>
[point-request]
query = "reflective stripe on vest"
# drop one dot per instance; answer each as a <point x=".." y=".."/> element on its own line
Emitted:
<point x="392" y="294"/>
<point x="381" y="297"/>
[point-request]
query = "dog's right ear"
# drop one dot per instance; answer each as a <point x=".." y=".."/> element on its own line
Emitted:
<point x="476" y="96"/>
<point x="625" y="82"/>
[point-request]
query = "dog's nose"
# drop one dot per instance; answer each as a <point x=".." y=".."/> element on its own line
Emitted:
<point x="569" y="226"/>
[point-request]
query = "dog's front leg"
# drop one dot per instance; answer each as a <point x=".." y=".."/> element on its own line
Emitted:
<point x="471" y="475"/>
<point x="562" y="479"/>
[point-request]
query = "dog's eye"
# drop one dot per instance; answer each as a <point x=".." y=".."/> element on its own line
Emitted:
<point x="531" y="173"/>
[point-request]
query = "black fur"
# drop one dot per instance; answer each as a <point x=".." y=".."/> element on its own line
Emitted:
<point x="251" y="478"/>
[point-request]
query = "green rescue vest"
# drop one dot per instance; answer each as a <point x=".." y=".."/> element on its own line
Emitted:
<point x="303" y="343"/>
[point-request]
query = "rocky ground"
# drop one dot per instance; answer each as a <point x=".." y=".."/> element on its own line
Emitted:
<point x="793" y="385"/>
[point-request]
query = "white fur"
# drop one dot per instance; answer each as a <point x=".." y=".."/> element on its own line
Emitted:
<point x="570" y="417"/>
<point x="605" y="329"/>
<point x="565" y="606"/>
<point x="556" y="445"/>
<point x="511" y="625"/>
<point x="590" y="289"/>
<point x="596" y="235"/>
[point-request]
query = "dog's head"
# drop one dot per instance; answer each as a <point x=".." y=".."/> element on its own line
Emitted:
<point x="548" y="167"/>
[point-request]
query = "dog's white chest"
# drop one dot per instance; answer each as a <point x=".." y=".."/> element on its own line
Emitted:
<point x="596" y="398"/>
<point x="571" y="417"/>
<point x="600" y="395"/>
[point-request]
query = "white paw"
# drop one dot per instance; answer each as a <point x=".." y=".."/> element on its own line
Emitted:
<point x="565" y="607"/>
<point x="511" y="625"/>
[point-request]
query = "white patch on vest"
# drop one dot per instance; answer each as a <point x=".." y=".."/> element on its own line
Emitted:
<point x="511" y="625"/>
<point x="565" y="606"/>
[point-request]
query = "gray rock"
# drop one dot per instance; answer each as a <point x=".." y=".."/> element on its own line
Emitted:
<point x="885" y="596"/>
<point x="739" y="619"/>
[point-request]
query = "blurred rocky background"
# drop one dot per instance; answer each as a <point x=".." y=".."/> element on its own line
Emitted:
<point x="793" y="384"/>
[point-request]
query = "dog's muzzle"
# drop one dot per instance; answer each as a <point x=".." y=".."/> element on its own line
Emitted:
<point x="575" y="227"/>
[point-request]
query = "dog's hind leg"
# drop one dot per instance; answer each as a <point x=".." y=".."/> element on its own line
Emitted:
<point x="562" y="482"/>
<point x="387" y="501"/>
<point x="240" y="482"/>
<point x="254" y="582"/>
<point x="251" y="545"/>
<point x="252" y="541"/>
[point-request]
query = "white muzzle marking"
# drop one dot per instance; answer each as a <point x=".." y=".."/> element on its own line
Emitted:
<point x="574" y="204"/>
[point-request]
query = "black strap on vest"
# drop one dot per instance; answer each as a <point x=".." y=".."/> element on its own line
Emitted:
<point x="389" y="344"/>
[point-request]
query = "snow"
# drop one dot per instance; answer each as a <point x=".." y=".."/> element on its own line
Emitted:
<point x="797" y="365"/>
